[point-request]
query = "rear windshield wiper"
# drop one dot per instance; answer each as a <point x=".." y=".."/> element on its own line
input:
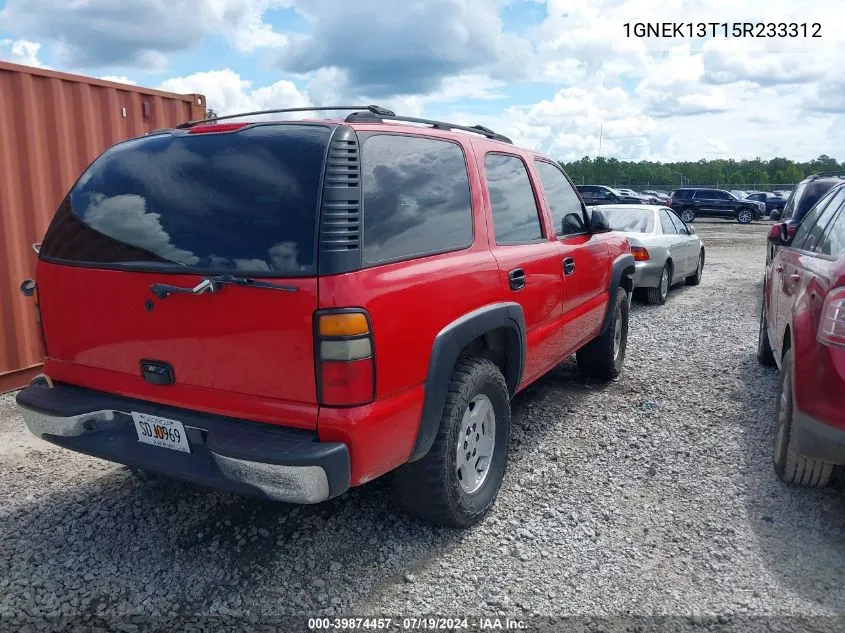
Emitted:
<point x="215" y="283"/>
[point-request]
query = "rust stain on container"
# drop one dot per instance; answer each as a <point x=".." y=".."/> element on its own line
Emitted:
<point x="52" y="125"/>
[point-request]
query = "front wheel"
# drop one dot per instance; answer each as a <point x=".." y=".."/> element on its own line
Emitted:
<point x="688" y="214"/>
<point x="695" y="278"/>
<point x="745" y="216"/>
<point x="457" y="481"/>
<point x="604" y="356"/>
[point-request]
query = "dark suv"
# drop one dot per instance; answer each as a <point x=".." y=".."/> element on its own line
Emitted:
<point x="803" y="198"/>
<point x="716" y="203"/>
<point x="600" y="194"/>
<point x="293" y="308"/>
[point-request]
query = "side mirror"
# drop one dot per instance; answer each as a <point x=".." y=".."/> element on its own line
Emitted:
<point x="691" y="229"/>
<point x="28" y="288"/>
<point x="598" y="222"/>
<point x="781" y="234"/>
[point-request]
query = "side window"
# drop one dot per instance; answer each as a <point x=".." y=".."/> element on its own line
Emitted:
<point x="680" y="227"/>
<point x="698" y="194"/>
<point x="567" y="213"/>
<point x="833" y="241"/>
<point x="416" y="198"/>
<point x="789" y="209"/>
<point x="722" y="195"/>
<point x="516" y="219"/>
<point x="602" y="193"/>
<point x="587" y="193"/>
<point x="813" y="225"/>
<point x="666" y="223"/>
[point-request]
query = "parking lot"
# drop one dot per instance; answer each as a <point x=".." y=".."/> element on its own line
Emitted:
<point x="652" y="495"/>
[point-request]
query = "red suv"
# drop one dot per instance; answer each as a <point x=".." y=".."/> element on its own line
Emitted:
<point x="802" y="330"/>
<point x="292" y="308"/>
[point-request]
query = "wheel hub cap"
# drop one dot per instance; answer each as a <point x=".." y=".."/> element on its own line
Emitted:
<point x="664" y="283"/>
<point x="476" y="441"/>
<point x="617" y="334"/>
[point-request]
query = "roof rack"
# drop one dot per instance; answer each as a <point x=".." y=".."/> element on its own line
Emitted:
<point x="374" y="109"/>
<point x="438" y="125"/>
<point x="826" y="174"/>
<point x="366" y="113"/>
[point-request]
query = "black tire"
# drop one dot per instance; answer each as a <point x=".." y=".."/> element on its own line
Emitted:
<point x="657" y="296"/>
<point x="790" y="466"/>
<point x="764" y="347"/>
<point x="687" y="214"/>
<point x="600" y="358"/>
<point x="429" y="488"/>
<point x="695" y="278"/>
<point x="745" y="216"/>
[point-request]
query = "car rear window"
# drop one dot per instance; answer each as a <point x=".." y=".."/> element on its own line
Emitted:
<point x="242" y="202"/>
<point x="631" y="220"/>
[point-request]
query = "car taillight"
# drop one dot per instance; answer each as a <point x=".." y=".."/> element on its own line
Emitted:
<point x="346" y="372"/>
<point x="640" y="254"/>
<point x="30" y="289"/>
<point x="216" y="128"/>
<point x="832" y="323"/>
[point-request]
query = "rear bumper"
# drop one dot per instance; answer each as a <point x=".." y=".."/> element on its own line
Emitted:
<point x="273" y="462"/>
<point x="818" y="440"/>
<point x="647" y="274"/>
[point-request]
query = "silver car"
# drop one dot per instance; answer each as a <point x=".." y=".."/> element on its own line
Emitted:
<point x="666" y="250"/>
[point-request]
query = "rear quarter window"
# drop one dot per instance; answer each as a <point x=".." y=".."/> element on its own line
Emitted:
<point x="416" y="198"/>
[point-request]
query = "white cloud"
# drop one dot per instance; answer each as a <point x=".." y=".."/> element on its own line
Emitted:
<point x="119" y="79"/>
<point x="21" y="52"/>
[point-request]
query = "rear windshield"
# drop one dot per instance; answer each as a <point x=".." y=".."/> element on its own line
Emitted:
<point x="242" y="202"/>
<point x="630" y="220"/>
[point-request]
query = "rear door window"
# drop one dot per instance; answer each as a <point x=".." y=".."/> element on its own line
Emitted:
<point x="567" y="212"/>
<point x="667" y="224"/>
<point x="416" y="198"/>
<point x="242" y="201"/>
<point x="516" y="219"/>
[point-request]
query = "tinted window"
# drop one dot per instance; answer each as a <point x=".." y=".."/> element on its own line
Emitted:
<point x="666" y="223"/>
<point x="701" y="194"/>
<point x="833" y="241"/>
<point x="683" y="194"/>
<point x="416" y="197"/>
<point x="630" y="219"/>
<point x="244" y="201"/>
<point x="789" y="208"/>
<point x="515" y="216"/>
<point x="567" y="216"/>
<point x="814" y="192"/>
<point x="812" y="226"/>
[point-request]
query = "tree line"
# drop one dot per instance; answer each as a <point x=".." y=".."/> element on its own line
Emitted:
<point x="758" y="172"/>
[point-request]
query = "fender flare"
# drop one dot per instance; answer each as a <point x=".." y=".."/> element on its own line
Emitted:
<point x="449" y="343"/>
<point x="623" y="268"/>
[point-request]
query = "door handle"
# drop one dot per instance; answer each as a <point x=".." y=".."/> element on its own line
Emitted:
<point x="779" y="269"/>
<point x="568" y="266"/>
<point x="516" y="279"/>
<point x="795" y="277"/>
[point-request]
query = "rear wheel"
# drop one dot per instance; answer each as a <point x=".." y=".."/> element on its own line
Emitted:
<point x="790" y="466"/>
<point x="745" y="216"/>
<point x="688" y="214"/>
<point x="657" y="296"/>
<point x="764" y="347"/>
<point x="695" y="278"/>
<point x="604" y="356"/>
<point x="457" y="481"/>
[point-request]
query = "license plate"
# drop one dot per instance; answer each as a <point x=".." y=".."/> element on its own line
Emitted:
<point x="161" y="432"/>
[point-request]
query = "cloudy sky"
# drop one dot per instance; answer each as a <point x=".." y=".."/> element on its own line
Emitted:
<point x="551" y="74"/>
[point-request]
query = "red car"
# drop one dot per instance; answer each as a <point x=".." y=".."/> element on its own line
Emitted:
<point x="802" y="330"/>
<point x="292" y="308"/>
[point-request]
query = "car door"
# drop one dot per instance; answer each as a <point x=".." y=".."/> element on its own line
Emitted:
<point x="530" y="267"/>
<point x="583" y="257"/>
<point x="789" y="267"/>
<point x="723" y="203"/>
<point x="688" y="244"/>
<point x="674" y="244"/>
<point x="704" y="202"/>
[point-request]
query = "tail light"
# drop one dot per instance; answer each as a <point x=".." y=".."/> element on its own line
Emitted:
<point x="640" y="254"/>
<point x="216" y="128"/>
<point x="346" y="372"/>
<point x="832" y="324"/>
<point x="30" y="289"/>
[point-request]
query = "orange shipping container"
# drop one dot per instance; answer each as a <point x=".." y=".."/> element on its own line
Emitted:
<point x="52" y="125"/>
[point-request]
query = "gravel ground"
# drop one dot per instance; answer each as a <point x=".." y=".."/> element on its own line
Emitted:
<point x="653" y="496"/>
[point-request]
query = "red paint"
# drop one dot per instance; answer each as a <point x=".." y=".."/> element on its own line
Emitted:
<point x="794" y="311"/>
<point x="250" y="353"/>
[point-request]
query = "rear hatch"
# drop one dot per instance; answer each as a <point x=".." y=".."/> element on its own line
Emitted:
<point x="174" y="209"/>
